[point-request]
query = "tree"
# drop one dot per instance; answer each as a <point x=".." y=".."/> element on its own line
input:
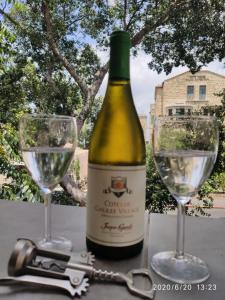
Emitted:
<point x="57" y="43"/>
<point x="57" y="36"/>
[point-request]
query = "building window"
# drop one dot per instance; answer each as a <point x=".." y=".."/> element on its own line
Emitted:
<point x="190" y="91"/>
<point x="188" y="112"/>
<point x="180" y="111"/>
<point x="170" y="111"/>
<point x="202" y="92"/>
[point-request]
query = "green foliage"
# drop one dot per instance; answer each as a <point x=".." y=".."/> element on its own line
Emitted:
<point x="219" y="112"/>
<point x="158" y="198"/>
<point x="219" y="179"/>
<point x="187" y="35"/>
<point x="19" y="185"/>
<point x="77" y="169"/>
<point x="63" y="198"/>
<point x="32" y="76"/>
<point x="6" y="40"/>
<point x="85" y="134"/>
<point x="188" y="136"/>
<point x="204" y="197"/>
<point x="216" y="182"/>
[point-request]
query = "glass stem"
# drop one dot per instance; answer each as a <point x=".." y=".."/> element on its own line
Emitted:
<point x="180" y="230"/>
<point x="47" y="205"/>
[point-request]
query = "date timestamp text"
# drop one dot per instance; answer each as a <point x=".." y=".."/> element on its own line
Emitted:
<point x="184" y="287"/>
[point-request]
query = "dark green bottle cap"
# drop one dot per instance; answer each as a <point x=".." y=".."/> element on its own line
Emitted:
<point x="119" y="66"/>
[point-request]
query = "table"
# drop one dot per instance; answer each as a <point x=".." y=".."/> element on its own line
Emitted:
<point x="204" y="238"/>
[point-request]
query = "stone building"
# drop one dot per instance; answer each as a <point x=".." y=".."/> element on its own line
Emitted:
<point x="144" y="124"/>
<point x="187" y="92"/>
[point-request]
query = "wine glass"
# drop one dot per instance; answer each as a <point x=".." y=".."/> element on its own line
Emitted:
<point x="185" y="150"/>
<point x="48" y="144"/>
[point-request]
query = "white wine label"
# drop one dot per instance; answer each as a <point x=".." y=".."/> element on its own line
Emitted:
<point x="116" y="204"/>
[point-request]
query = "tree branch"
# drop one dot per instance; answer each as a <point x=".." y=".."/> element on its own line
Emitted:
<point x="52" y="44"/>
<point x="134" y="13"/>
<point x="77" y="19"/>
<point x="70" y="186"/>
<point x="138" y="37"/>
<point x="50" y="80"/>
<point x="11" y="19"/>
<point x="99" y="75"/>
<point x="125" y="15"/>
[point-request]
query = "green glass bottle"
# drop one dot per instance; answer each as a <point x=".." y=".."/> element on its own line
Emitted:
<point x="116" y="169"/>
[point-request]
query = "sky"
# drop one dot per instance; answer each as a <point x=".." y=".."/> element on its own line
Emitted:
<point x="144" y="80"/>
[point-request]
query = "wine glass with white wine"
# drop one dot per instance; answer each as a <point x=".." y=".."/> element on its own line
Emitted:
<point x="48" y="144"/>
<point x="185" y="150"/>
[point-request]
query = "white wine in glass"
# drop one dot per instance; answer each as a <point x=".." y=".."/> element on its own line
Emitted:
<point x="48" y="144"/>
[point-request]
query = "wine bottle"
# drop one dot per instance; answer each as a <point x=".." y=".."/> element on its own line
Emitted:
<point x="116" y="165"/>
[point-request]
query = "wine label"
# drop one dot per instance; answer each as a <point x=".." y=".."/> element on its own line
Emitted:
<point x="116" y="204"/>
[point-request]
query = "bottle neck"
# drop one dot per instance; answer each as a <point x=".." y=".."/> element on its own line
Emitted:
<point x="119" y="66"/>
<point x="119" y="93"/>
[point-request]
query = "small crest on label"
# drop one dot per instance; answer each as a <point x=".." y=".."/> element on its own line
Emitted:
<point x="118" y="186"/>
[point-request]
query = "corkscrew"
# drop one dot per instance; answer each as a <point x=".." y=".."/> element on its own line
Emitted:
<point x="61" y="270"/>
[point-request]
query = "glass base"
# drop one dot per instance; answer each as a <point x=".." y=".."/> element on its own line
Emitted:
<point x="57" y="243"/>
<point x="187" y="269"/>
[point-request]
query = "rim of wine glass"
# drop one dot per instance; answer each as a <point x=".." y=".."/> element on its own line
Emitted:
<point x="48" y="116"/>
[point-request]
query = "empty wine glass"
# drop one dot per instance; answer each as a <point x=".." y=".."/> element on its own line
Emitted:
<point x="48" y="144"/>
<point x="185" y="150"/>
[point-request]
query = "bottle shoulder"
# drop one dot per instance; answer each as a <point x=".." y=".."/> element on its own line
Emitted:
<point x="117" y="135"/>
